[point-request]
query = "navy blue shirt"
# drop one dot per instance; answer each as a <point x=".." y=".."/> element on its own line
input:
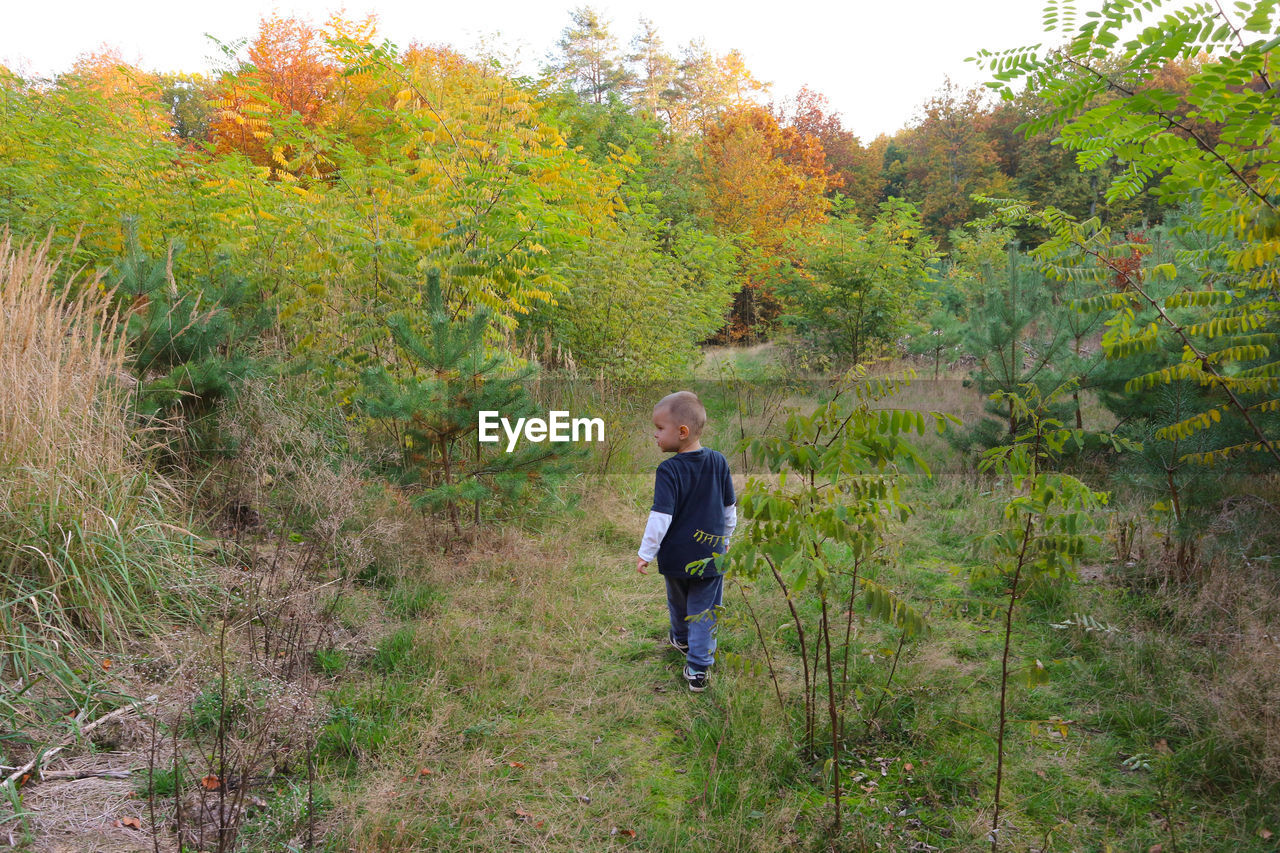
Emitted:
<point x="693" y="488"/>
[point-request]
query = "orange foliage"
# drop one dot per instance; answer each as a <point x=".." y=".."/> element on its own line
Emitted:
<point x="292" y="71"/>
<point x="766" y="182"/>
<point x="761" y="178"/>
<point x="128" y="91"/>
<point x="1128" y="268"/>
<point x="854" y="169"/>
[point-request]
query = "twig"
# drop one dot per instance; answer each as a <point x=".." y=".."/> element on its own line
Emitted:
<point x="12" y="778"/>
<point x="86" y="774"/>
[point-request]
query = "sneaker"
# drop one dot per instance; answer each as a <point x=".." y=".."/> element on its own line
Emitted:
<point x="697" y="680"/>
<point x="682" y="648"/>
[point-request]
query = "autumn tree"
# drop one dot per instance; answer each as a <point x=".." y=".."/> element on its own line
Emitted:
<point x="762" y="183"/>
<point x="706" y="86"/>
<point x="950" y="157"/>
<point x="854" y="172"/>
<point x="127" y="91"/>
<point x="289" y="73"/>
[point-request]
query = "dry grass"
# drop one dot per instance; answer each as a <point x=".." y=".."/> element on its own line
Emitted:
<point x="88" y="542"/>
<point x="61" y="358"/>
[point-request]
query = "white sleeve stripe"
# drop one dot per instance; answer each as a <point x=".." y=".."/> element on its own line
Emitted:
<point x="653" y="533"/>
<point x="730" y="522"/>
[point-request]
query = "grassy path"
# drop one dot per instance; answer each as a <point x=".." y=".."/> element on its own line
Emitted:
<point x="536" y="705"/>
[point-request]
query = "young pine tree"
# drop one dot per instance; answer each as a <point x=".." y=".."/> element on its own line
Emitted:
<point x="430" y="406"/>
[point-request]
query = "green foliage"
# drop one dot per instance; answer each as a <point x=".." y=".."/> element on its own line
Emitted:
<point x="635" y="312"/>
<point x="1216" y="143"/>
<point x="188" y="346"/>
<point x="427" y="399"/>
<point x="862" y="283"/>
<point x="1047" y="522"/>
<point x="77" y="163"/>
<point x="820" y="529"/>
<point x="935" y="336"/>
<point x="1014" y="342"/>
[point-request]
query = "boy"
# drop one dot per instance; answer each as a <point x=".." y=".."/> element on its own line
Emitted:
<point x="693" y="516"/>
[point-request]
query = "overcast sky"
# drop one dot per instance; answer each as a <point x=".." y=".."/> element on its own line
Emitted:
<point x="877" y="60"/>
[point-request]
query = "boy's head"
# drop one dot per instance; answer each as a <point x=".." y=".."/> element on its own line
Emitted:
<point x="678" y="420"/>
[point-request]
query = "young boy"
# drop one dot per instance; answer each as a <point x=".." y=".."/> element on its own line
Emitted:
<point x="693" y="516"/>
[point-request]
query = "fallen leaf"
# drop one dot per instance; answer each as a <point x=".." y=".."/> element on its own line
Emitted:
<point x="519" y="765"/>
<point x="524" y="815"/>
<point x="211" y="783"/>
<point x="1156" y="848"/>
<point x="106" y="664"/>
<point x="908" y="767"/>
<point x="629" y="833"/>
<point x="131" y="822"/>
<point x="425" y="771"/>
<point x="1265" y="834"/>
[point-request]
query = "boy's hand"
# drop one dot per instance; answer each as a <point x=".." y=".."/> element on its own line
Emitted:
<point x="640" y="564"/>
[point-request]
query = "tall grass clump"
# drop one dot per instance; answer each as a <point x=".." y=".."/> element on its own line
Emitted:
<point x="88" y="550"/>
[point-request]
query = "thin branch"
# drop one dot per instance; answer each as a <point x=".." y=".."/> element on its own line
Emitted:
<point x="12" y="780"/>
<point x="1200" y="357"/>
<point x="1173" y="122"/>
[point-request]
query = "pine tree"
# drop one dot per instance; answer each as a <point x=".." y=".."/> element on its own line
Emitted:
<point x="430" y="406"/>
<point x="189" y="344"/>
<point x="1015" y="343"/>
<point x="589" y="61"/>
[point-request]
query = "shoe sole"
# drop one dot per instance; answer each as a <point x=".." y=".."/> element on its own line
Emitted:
<point x="695" y="689"/>
<point x="684" y="650"/>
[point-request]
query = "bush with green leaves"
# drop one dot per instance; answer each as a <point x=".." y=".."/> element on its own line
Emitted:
<point x="635" y="311"/>
<point x="1049" y="517"/>
<point x="819" y="530"/>
<point x="860" y="283"/>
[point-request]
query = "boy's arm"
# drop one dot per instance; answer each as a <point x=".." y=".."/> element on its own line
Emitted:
<point x="664" y="504"/>
<point x="657" y="527"/>
<point x="731" y="507"/>
<point x="730" y="522"/>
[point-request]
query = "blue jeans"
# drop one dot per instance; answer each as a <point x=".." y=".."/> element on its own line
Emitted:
<point x="697" y="598"/>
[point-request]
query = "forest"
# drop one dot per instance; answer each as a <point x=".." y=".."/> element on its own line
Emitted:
<point x="999" y="392"/>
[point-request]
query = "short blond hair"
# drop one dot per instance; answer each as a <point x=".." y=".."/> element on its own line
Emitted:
<point x="687" y="410"/>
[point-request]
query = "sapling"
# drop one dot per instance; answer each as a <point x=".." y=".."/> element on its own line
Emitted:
<point x="1048" y="518"/>
<point x="821" y="524"/>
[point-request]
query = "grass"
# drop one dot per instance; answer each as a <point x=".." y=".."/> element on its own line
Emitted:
<point x="88" y="549"/>
<point x="536" y="706"/>
<point x="518" y="692"/>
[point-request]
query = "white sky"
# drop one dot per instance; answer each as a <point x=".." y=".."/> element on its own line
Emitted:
<point x="876" y="60"/>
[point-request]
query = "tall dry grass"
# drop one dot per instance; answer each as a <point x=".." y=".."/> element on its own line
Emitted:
<point x="60" y="357"/>
<point x="89" y="550"/>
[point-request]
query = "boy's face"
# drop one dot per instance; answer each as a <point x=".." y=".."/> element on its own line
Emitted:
<point x="669" y="434"/>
